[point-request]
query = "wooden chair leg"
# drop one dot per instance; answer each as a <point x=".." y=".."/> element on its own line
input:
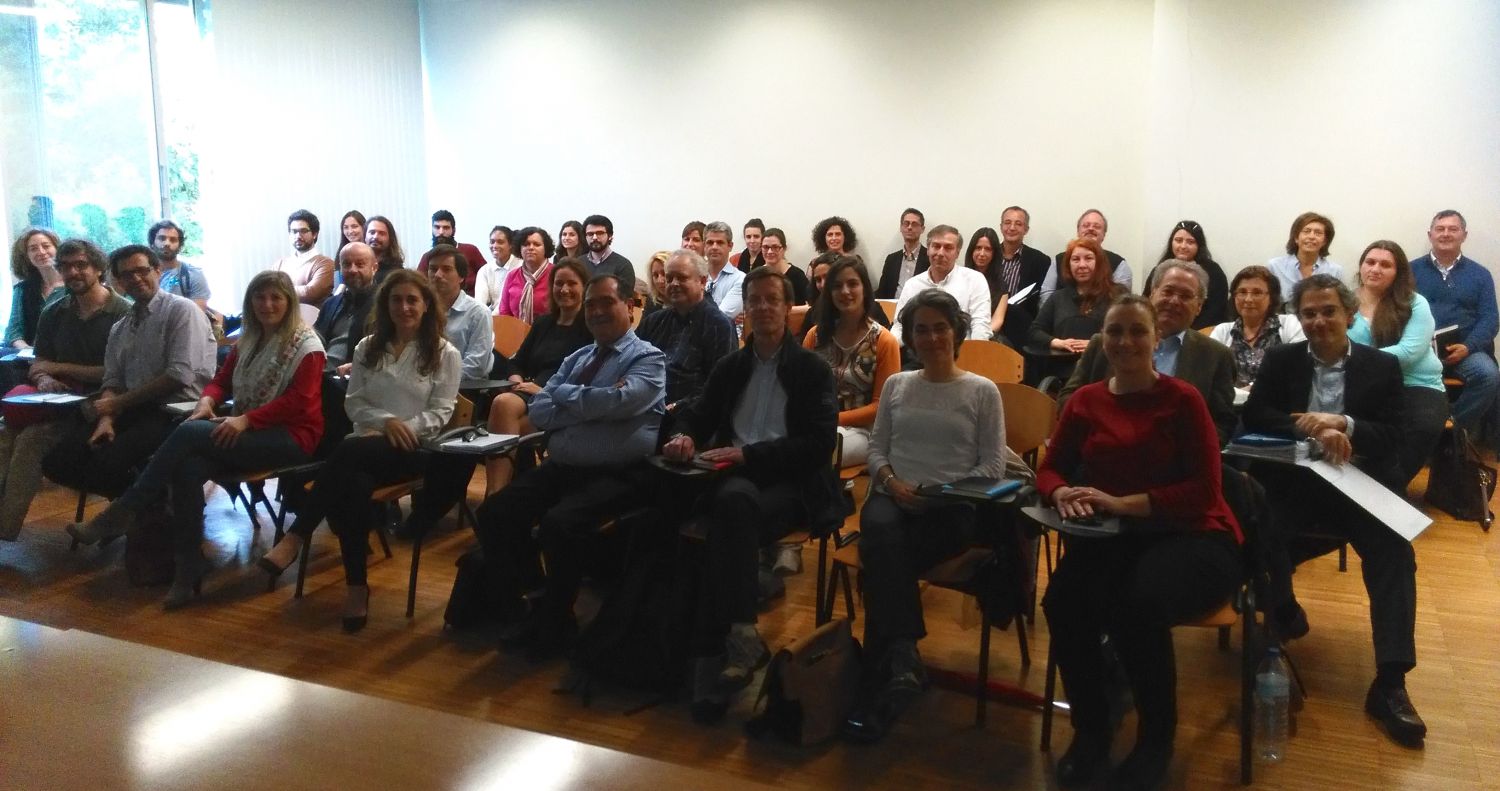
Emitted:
<point x="848" y="596"/>
<point x="1343" y="557"/>
<point x="302" y="566"/>
<point x="1049" y="695"/>
<point x="1021" y="638"/>
<point x="385" y="542"/>
<point x="416" y="561"/>
<point x="823" y="615"/>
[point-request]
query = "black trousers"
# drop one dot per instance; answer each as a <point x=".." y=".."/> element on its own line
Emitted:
<point x="564" y="505"/>
<point x="107" y="469"/>
<point x="1135" y="589"/>
<point x="895" y="547"/>
<point x="741" y="514"/>
<point x="1301" y="502"/>
<point x="358" y="466"/>
<point x="445" y="483"/>
<point x="1425" y="411"/>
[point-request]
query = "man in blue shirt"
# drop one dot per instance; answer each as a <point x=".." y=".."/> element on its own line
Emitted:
<point x="1462" y="293"/>
<point x="602" y="411"/>
<point x="177" y="277"/>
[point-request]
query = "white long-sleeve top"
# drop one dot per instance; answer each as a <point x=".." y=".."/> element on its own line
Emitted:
<point x="938" y="432"/>
<point x="965" y="285"/>
<point x="398" y="389"/>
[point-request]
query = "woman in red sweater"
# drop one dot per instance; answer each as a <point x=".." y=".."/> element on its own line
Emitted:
<point x="1140" y="446"/>
<point x="275" y="376"/>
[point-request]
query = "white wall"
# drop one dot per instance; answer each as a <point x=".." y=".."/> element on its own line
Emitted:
<point x="658" y="113"/>
<point x="1376" y="114"/>
<point x="319" y="108"/>
<point x="1237" y="115"/>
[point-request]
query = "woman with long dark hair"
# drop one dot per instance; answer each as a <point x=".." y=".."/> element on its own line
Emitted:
<point x="1187" y="243"/>
<point x="570" y="241"/>
<point x="861" y="352"/>
<point x="402" y="388"/>
<point x="1394" y="318"/>
<point x="351" y="229"/>
<point x="984" y="246"/>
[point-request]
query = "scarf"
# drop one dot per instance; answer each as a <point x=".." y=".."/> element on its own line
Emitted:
<point x="526" y="309"/>
<point x="267" y="372"/>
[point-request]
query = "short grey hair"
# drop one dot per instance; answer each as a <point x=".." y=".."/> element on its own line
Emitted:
<point x="1191" y="267"/>
<point x="719" y="226"/>
<point x="1320" y="282"/>
<point x="700" y="264"/>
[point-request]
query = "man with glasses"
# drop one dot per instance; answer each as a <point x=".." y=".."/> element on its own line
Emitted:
<point x="311" y="271"/>
<point x="1204" y="363"/>
<point x="1091" y="225"/>
<point x="598" y="235"/>
<point x="769" y="418"/>
<point x="910" y="260"/>
<point x="161" y="352"/>
<point x="70" y="341"/>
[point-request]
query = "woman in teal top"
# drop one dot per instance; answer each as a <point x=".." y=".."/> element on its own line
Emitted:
<point x="1394" y="318"/>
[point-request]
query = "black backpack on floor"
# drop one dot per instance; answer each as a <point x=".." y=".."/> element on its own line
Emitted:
<point x="1458" y="481"/>
<point x="478" y="596"/>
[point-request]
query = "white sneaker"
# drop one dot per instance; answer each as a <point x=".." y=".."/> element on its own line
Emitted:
<point x="788" y="560"/>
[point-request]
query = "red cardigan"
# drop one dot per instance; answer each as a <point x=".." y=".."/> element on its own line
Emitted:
<point x="299" y="408"/>
<point x="1159" y="441"/>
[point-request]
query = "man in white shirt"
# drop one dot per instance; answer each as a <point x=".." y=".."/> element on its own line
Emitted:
<point x="1091" y="225"/>
<point x="724" y="281"/>
<point x="963" y="284"/>
<point x="469" y="328"/>
<point x="311" y="271"/>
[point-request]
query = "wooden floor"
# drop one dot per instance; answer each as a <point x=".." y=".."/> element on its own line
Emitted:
<point x="1456" y="685"/>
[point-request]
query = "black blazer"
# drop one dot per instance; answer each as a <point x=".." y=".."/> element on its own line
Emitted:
<point x="1372" y="396"/>
<point x="1203" y="363"/>
<point x="1018" y="317"/>
<point x="890" y="274"/>
<point x="805" y="454"/>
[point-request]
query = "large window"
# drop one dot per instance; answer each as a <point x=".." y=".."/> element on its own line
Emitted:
<point x="94" y="142"/>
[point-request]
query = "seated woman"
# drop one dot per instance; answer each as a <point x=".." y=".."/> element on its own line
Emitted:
<point x="524" y="294"/>
<point x="861" y="352"/>
<point x="1187" y="243"/>
<point x="834" y="235"/>
<point x="1394" y="318"/>
<point x="38" y="284"/>
<point x="980" y="257"/>
<point x="935" y="425"/>
<point x="1306" y="252"/>
<point x="775" y="257"/>
<point x="275" y="376"/>
<point x="655" y="285"/>
<point x="1142" y="447"/>
<point x="1258" y="324"/>
<point x="1076" y="310"/>
<point x="402" y="389"/>
<point x="554" y="336"/>
<point x="817" y="272"/>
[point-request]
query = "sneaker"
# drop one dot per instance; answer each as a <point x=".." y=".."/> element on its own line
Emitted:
<point x="744" y="653"/>
<point x="788" y="560"/>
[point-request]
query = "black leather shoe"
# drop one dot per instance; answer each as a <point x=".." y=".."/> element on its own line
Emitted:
<point x="1085" y="756"/>
<point x="1392" y="707"/>
<point x="1290" y="622"/>
<point x="1143" y="769"/>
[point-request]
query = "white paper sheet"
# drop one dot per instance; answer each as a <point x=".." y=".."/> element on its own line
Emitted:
<point x="1017" y="297"/>
<point x="1380" y="502"/>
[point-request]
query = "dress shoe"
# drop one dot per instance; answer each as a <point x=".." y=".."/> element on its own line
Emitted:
<point x="1392" y="707"/>
<point x="1144" y="768"/>
<point x="1289" y="622"/>
<point x="1085" y="757"/>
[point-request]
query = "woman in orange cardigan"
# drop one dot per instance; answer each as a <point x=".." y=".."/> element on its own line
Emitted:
<point x="861" y="352"/>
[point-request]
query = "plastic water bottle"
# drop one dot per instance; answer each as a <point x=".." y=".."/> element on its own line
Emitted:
<point x="1272" y="694"/>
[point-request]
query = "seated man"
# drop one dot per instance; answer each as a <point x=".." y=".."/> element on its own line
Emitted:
<point x="692" y="332"/>
<point x="341" y="324"/>
<point x="1462" y="294"/>
<point x="469" y="327"/>
<point x="1347" y="397"/>
<point x="1189" y="355"/>
<point x="966" y="285"/>
<point x="602" y="410"/>
<point x="70" y="341"/>
<point x="162" y="352"/>
<point x="311" y="271"/>
<point x="770" y="413"/>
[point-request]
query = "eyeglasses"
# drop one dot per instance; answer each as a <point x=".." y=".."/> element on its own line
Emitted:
<point x="136" y="273"/>
<point x="765" y="246"/>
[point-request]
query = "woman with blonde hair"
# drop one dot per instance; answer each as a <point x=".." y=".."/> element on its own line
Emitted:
<point x="275" y="377"/>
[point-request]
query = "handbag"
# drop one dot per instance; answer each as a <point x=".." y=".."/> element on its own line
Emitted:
<point x="810" y="686"/>
<point x="1458" y="482"/>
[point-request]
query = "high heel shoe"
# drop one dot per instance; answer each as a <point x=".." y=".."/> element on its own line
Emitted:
<point x="354" y="623"/>
<point x="271" y="567"/>
<point x="187" y="581"/>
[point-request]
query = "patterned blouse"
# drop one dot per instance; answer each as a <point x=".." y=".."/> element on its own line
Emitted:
<point x="853" y="368"/>
<point x="1247" y="356"/>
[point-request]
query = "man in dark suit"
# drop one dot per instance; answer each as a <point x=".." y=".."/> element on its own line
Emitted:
<point x="1019" y="267"/>
<point x="1204" y="363"/>
<point x="1091" y="225"/>
<point x="1346" y="397"/>
<point x="911" y="259"/>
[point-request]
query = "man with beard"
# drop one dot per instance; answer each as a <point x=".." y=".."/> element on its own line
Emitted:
<point x="380" y="235"/>
<point x="444" y="229"/>
<point x="311" y="271"/>
<point x="70" y="340"/>
<point x="598" y="235"/>
<point x="177" y="277"/>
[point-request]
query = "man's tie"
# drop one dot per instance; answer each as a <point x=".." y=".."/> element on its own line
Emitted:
<point x="586" y="374"/>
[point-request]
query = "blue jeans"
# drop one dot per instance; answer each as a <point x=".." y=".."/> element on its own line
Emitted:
<point x="189" y="458"/>
<point x="1477" y="401"/>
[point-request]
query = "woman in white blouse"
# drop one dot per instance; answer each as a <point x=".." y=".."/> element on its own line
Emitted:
<point x="402" y="388"/>
<point x="935" y="425"/>
<point x="491" y="278"/>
